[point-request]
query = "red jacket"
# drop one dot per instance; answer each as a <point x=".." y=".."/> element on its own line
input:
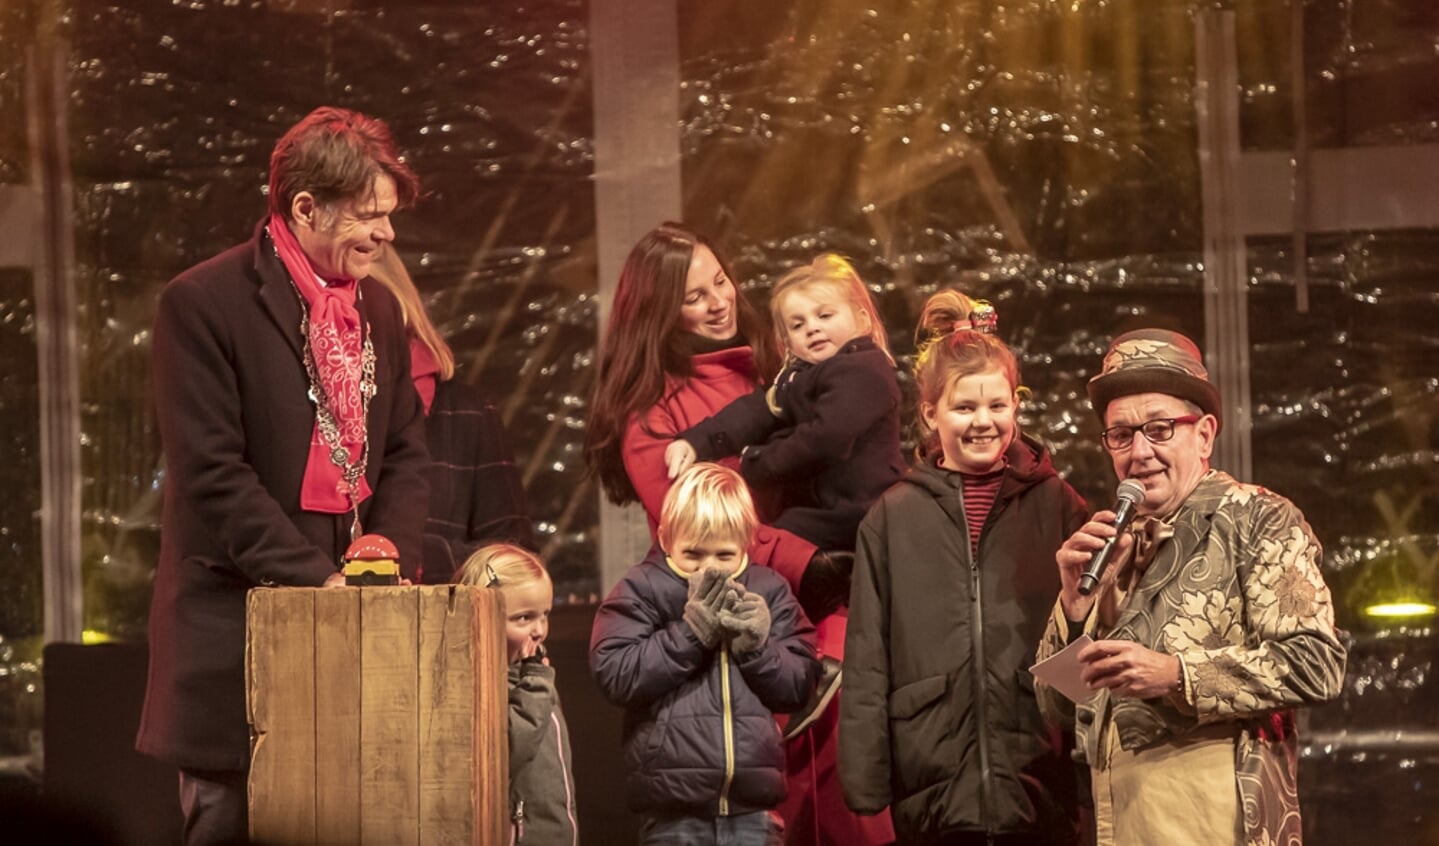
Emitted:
<point x="719" y="378"/>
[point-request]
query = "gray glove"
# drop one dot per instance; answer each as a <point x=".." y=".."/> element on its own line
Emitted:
<point x="706" y="599"/>
<point x="746" y="623"/>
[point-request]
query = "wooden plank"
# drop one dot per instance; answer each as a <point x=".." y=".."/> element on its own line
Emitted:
<point x="389" y="716"/>
<point x="382" y="715"/>
<point x="280" y="675"/>
<point x="491" y="778"/>
<point x="447" y="716"/>
<point x="338" y="674"/>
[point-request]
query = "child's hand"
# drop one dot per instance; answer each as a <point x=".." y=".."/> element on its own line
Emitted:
<point x="709" y="585"/>
<point x="773" y="395"/>
<point x="747" y="623"/>
<point x="534" y="649"/>
<point x="706" y="597"/>
<point x="679" y="455"/>
<point x="730" y="598"/>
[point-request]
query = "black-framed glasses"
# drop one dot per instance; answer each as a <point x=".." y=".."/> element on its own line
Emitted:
<point x="1119" y="438"/>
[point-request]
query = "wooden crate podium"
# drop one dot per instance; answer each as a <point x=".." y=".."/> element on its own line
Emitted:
<point x="378" y="715"/>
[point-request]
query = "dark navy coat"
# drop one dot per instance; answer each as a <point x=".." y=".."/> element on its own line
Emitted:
<point x="683" y="700"/>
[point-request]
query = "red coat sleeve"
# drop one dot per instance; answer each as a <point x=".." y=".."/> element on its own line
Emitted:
<point x="644" y="457"/>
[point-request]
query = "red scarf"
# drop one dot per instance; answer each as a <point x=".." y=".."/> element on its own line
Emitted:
<point x="424" y="371"/>
<point x="335" y="345"/>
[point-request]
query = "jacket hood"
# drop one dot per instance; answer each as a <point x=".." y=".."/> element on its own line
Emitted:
<point x="734" y="574"/>
<point x="1027" y="464"/>
<point x="659" y="559"/>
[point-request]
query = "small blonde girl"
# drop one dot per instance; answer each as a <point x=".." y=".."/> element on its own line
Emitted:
<point x="542" y="787"/>
<point x="819" y="307"/>
<point x="825" y="436"/>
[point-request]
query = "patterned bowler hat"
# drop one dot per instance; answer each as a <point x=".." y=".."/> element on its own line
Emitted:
<point x="1153" y="361"/>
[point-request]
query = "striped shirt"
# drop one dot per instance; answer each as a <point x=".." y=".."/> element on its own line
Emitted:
<point x="979" y="493"/>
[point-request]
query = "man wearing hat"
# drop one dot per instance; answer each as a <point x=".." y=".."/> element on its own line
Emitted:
<point x="1211" y="622"/>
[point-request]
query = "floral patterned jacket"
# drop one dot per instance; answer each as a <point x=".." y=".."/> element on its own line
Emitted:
<point x="1238" y="595"/>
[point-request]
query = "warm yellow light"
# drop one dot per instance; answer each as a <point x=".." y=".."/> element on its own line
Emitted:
<point x="1401" y="609"/>
<point x="91" y="637"/>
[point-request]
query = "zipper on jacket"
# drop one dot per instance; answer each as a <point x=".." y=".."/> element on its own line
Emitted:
<point x="517" y="832"/>
<point x="728" y="730"/>
<point x="981" y="684"/>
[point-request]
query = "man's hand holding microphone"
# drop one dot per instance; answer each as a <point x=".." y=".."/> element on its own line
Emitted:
<point x="1124" y="667"/>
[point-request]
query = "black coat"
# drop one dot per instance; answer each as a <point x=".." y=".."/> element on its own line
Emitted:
<point x="235" y="423"/>
<point x="939" y="719"/>
<point x="476" y="496"/>
<point x="833" y="449"/>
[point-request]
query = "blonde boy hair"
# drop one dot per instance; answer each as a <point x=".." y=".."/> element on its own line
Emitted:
<point x="708" y="502"/>
<point x="502" y="565"/>
<point x="834" y="273"/>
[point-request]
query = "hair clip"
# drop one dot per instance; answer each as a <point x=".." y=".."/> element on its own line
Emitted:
<point x="491" y="577"/>
<point x="984" y="319"/>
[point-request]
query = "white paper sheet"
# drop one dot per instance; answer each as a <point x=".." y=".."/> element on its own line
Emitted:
<point x="1061" y="671"/>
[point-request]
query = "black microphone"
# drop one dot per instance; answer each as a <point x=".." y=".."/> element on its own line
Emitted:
<point x="1130" y="494"/>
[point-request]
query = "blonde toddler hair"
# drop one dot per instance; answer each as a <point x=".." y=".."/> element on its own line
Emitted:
<point x="834" y="273"/>
<point x="502" y="565"/>
<point x="708" y="502"/>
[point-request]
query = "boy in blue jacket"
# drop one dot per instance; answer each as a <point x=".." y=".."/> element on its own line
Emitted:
<point x="702" y="649"/>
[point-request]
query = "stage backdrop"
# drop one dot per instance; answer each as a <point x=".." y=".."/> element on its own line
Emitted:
<point x="1046" y="156"/>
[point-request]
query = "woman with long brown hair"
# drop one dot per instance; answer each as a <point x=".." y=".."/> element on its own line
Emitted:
<point x="679" y="336"/>
<point x="682" y="343"/>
